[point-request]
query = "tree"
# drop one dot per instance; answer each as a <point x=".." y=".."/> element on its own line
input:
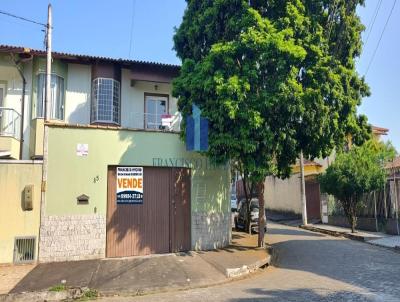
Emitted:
<point x="240" y="65"/>
<point x="355" y="173"/>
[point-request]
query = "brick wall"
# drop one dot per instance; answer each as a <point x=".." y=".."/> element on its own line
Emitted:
<point x="210" y="230"/>
<point x="72" y="237"/>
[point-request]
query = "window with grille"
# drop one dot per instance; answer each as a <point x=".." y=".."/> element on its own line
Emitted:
<point x="57" y="96"/>
<point x="105" y="101"/>
<point x="24" y="249"/>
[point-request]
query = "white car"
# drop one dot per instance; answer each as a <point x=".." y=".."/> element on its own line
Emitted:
<point x="234" y="204"/>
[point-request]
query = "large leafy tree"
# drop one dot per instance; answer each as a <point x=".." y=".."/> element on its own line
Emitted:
<point x="354" y="173"/>
<point x="274" y="78"/>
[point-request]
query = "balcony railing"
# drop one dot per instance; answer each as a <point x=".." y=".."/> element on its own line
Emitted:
<point x="10" y="122"/>
<point x="150" y="121"/>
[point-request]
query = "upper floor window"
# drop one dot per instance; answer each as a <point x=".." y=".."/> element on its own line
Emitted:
<point x="156" y="108"/>
<point x="105" y="101"/>
<point x="57" y="96"/>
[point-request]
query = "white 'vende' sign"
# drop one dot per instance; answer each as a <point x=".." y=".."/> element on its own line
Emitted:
<point x="129" y="185"/>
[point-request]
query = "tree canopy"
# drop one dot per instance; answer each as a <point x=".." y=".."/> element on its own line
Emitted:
<point x="354" y="173"/>
<point x="241" y="63"/>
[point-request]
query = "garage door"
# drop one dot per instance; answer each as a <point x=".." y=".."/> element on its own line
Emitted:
<point x="160" y="224"/>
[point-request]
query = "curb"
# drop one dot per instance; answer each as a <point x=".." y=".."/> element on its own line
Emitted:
<point x="40" y="296"/>
<point x="334" y="233"/>
<point x="252" y="267"/>
<point x="350" y="236"/>
<point x="323" y="231"/>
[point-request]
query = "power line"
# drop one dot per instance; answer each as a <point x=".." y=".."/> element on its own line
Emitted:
<point x="22" y="18"/>
<point x="372" y="22"/>
<point x="380" y="38"/>
<point x="132" y="24"/>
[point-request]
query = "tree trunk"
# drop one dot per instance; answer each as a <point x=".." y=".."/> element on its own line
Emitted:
<point x="349" y="207"/>
<point x="353" y="219"/>
<point x="261" y="213"/>
<point x="353" y="225"/>
<point x="247" y="195"/>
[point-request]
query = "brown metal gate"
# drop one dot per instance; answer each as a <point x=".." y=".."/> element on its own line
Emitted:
<point x="313" y="199"/>
<point x="160" y="225"/>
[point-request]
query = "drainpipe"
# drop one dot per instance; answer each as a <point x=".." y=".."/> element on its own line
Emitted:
<point x="21" y="135"/>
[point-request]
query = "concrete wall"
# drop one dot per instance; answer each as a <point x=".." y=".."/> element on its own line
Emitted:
<point x="132" y="99"/>
<point x="283" y="195"/>
<point x="77" y="95"/>
<point x="70" y="176"/>
<point x="14" y="221"/>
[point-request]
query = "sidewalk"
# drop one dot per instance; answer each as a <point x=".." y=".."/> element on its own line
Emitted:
<point x="10" y="275"/>
<point x="140" y="275"/>
<point x="376" y="238"/>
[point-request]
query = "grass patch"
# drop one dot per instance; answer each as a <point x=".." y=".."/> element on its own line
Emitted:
<point x="90" y="294"/>
<point x="58" y="288"/>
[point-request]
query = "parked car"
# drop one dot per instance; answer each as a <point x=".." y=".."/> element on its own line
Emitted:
<point x="241" y="218"/>
<point x="234" y="208"/>
<point x="234" y="205"/>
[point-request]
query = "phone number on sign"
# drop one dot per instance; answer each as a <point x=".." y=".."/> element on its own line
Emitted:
<point x="130" y="196"/>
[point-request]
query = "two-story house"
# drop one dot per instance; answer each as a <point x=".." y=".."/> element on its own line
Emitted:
<point x="107" y="116"/>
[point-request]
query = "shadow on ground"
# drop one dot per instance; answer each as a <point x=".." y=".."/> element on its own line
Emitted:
<point x="355" y="263"/>
<point x="301" y="295"/>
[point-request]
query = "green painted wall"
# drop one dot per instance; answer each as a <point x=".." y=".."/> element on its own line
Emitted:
<point x="70" y="175"/>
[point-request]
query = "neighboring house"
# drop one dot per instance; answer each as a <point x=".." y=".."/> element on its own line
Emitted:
<point x="284" y="196"/>
<point x="105" y="113"/>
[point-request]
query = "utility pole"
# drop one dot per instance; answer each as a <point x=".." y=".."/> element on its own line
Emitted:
<point x="396" y="201"/>
<point x="303" y="190"/>
<point x="47" y="101"/>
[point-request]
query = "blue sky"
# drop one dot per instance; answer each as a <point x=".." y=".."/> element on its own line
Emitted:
<point x="104" y="27"/>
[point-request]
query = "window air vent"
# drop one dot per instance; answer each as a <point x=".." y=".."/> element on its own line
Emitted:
<point x="24" y="249"/>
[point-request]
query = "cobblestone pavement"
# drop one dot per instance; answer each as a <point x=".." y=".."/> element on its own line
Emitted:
<point x="309" y="267"/>
<point x="391" y="241"/>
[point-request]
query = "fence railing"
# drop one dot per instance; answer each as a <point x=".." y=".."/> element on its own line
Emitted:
<point x="150" y="121"/>
<point x="381" y="204"/>
<point x="10" y="122"/>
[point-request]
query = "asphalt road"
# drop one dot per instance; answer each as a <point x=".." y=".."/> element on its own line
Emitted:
<point x="308" y="267"/>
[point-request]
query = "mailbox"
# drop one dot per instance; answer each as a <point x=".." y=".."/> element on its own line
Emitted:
<point x="28" y="198"/>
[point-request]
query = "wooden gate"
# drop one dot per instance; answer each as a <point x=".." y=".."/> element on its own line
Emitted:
<point x="160" y="225"/>
<point x="313" y="199"/>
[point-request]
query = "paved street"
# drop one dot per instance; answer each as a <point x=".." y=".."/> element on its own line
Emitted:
<point x="309" y="267"/>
